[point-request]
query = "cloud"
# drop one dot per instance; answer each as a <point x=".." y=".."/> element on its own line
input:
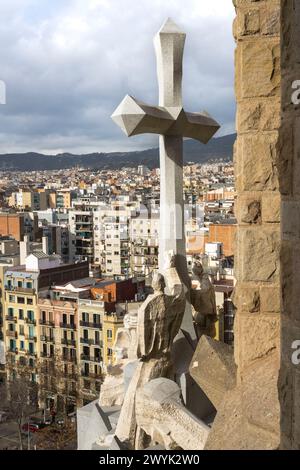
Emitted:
<point x="67" y="64"/>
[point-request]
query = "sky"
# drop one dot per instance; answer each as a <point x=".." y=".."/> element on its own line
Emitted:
<point x="67" y="64"/>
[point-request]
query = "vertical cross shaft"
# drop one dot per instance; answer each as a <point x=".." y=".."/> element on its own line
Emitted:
<point x="172" y="123"/>
<point x="169" y="46"/>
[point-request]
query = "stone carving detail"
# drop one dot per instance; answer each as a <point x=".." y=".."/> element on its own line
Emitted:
<point x="203" y="301"/>
<point x="161" y="414"/>
<point x="254" y="213"/>
<point x="159" y="320"/>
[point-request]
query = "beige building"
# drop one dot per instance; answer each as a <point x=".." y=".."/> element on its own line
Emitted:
<point x="144" y="233"/>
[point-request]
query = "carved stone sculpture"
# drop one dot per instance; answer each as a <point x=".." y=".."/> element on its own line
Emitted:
<point x="159" y="320"/>
<point x="203" y="301"/>
<point x="161" y="414"/>
<point x="125" y="347"/>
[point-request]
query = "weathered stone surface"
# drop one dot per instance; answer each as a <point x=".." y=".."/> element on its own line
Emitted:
<point x="247" y="298"/>
<point x="260" y="382"/>
<point x="289" y="153"/>
<point x="270" y="21"/>
<point x="270" y="299"/>
<point x="259" y="173"/>
<point x="258" y="62"/>
<point x="250" y="211"/>
<point x="261" y="255"/>
<point x="161" y="416"/>
<point x="248" y="418"/>
<point x="112" y="390"/>
<point x="271" y="207"/>
<point x="261" y="337"/>
<point x="285" y="389"/>
<point x="249" y="22"/>
<point x="262" y="114"/>
<point x="213" y="369"/>
<point x="290" y="265"/>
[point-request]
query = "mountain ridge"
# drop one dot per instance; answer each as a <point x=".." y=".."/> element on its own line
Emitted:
<point x="217" y="149"/>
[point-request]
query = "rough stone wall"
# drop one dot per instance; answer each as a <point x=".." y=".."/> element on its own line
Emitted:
<point x="289" y="383"/>
<point x="257" y="325"/>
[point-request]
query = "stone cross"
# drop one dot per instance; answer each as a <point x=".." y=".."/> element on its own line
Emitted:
<point x="173" y="124"/>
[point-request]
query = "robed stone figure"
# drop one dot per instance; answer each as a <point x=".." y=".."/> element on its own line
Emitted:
<point x="159" y="321"/>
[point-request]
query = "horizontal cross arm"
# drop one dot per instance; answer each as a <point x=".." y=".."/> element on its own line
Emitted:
<point x="135" y="117"/>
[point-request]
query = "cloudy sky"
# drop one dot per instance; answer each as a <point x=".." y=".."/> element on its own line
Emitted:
<point x="68" y="63"/>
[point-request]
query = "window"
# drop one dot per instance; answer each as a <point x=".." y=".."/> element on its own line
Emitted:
<point x="85" y="317"/>
<point x="22" y="345"/>
<point x="31" y="332"/>
<point x="29" y="285"/>
<point x="29" y="301"/>
<point x="21" y="314"/>
<point x="20" y="300"/>
<point x="30" y="315"/>
<point x="109" y="352"/>
<point x="86" y="384"/>
<point x="109" y="334"/>
<point x="12" y="298"/>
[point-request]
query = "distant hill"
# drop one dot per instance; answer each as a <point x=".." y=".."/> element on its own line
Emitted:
<point x="219" y="148"/>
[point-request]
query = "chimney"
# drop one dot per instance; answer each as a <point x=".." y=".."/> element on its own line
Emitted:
<point x="45" y="242"/>
<point x="24" y="249"/>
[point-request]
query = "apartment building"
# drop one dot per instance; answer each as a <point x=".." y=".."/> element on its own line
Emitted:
<point x="33" y="200"/>
<point x="111" y="323"/>
<point x="60" y="241"/>
<point x="91" y="348"/>
<point x="21" y="287"/>
<point x="17" y="225"/>
<point x="61" y="199"/>
<point x="57" y="336"/>
<point x="144" y="235"/>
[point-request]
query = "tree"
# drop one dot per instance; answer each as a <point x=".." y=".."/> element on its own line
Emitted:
<point x="19" y="397"/>
<point x="57" y="437"/>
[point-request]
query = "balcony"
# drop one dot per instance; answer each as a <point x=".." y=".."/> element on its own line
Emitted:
<point x="11" y="318"/>
<point x="68" y="342"/>
<point x="12" y="334"/>
<point x="89" y="358"/>
<point x="47" y="323"/>
<point x="68" y="326"/>
<point x="30" y="321"/>
<point x="97" y="326"/>
<point x="71" y="359"/>
<point x="31" y="338"/>
<point x="31" y="354"/>
<point x="46" y="355"/>
<point x="92" y="375"/>
<point x="47" y="339"/>
<point x="13" y="350"/>
<point x="85" y="357"/>
<point x="21" y="290"/>
<point x="87" y="341"/>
